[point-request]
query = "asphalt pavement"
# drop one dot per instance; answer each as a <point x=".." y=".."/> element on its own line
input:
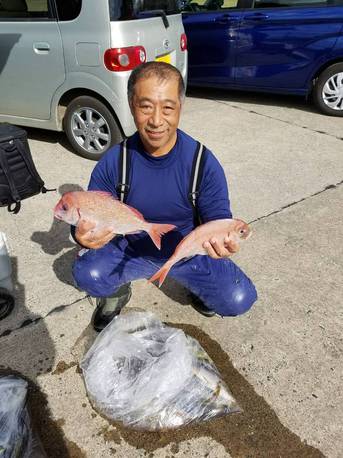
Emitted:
<point x="282" y="360"/>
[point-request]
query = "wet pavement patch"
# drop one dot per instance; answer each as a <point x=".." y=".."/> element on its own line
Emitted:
<point x="62" y="366"/>
<point x="50" y="432"/>
<point x="255" y="433"/>
<point x="110" y="434"/>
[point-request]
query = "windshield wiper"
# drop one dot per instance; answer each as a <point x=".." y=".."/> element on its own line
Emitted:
<point x="154" y="13"/>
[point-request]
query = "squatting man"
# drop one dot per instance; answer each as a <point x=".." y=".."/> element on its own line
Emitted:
<point x="160" y="171"/>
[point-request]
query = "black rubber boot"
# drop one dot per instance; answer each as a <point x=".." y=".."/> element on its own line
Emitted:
<point x="109" y="307"/>
<point x="200" y="307"/>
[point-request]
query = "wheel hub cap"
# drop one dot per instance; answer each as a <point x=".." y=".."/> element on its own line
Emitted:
<point x="332" y="93"/>
<point x="91" y="130"/>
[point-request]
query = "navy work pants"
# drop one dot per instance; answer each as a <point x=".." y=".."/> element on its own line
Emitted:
<point x="220" y="284"/>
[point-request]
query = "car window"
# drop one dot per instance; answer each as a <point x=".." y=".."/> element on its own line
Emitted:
<point x="121" y="10"/>
<point x="68" y="10"/>
<point x="26" y="9"/>
<point x="290" y="3"/>
<point x="208" y="5"/>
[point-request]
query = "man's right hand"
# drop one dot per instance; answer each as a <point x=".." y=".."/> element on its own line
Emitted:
<point x="89" y="238"/>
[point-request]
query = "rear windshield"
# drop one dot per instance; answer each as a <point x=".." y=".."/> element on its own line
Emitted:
<point x="121" y="10"/>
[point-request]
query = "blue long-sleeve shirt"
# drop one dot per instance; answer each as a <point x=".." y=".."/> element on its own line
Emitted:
<point x="159" y="188"/>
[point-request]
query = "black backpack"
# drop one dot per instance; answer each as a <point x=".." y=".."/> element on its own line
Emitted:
<point x="123" y="186"/>
<point x="19" y="178"/>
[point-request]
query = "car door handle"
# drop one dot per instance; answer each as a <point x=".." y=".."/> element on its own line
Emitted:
<point x="41" y="48"/>
<point x="225" y="19"/>
<point x="255" y="17"/>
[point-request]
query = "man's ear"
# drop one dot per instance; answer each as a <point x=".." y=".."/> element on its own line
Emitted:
<point x="131" y="106"/>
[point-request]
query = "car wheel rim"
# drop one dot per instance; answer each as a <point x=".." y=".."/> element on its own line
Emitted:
<point x="90" y="130"/>
<point x="332" y="93"/>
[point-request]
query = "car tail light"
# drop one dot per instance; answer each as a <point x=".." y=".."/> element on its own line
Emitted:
<point x="124" y="59"/>
<point x="183" y="42"/>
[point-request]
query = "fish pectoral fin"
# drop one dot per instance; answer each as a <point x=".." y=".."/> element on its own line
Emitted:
<point x="135" y="211"/>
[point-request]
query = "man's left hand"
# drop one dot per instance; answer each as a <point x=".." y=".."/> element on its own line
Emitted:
<point x="219" y="250"/>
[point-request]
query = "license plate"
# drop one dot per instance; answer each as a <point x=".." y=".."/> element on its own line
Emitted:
<point x="165" y="58"/>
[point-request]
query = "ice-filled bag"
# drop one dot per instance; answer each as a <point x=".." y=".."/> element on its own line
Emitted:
<point x="151" y="376"/>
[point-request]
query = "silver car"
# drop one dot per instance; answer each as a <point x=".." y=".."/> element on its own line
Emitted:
<point x="64" y="64"/>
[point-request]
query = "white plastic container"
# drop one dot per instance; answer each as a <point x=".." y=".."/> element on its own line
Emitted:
<point x="5" y="264"/>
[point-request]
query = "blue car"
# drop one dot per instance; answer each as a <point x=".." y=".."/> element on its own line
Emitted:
<point x="280" y="46"/>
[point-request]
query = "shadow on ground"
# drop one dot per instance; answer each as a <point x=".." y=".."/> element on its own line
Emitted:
<point x="49" y="136"/>
<point x="56" y="240"/>
<point x="176" y="292"/>
<point x="28" y="352"/>
<point x="256" y="98"/>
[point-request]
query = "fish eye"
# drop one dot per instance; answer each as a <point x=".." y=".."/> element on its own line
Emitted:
<point x="65" y="207"/>
<point x="242" y="231"/>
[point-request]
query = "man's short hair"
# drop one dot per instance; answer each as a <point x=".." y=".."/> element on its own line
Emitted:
<point x="161" y="70"/>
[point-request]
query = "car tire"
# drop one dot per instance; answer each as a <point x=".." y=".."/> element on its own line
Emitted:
<point x="328" y="91"/>
<point x="90" y="127"/>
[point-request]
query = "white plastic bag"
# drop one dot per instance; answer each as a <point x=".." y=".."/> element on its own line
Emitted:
<point x="16" y="437"/>
<point x="151" y="376"/>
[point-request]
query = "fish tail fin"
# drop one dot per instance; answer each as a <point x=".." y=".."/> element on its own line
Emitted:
<point x="161" y="274"/>
<point x="157" y="230"/>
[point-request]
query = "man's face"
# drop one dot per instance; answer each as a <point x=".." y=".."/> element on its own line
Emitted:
<point x="156" y="108"/>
